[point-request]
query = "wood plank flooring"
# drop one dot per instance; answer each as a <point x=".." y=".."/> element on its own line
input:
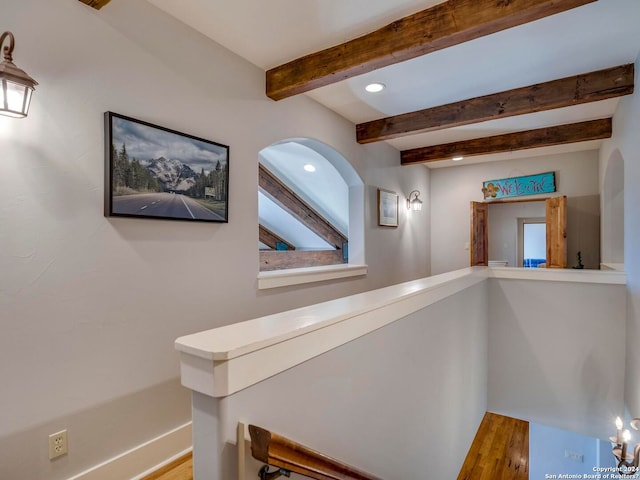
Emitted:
<point x="180" y="469"/>
<point x="500" y="450"/>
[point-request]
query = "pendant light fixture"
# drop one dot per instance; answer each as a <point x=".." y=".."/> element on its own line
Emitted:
<point x="16" y="87"/>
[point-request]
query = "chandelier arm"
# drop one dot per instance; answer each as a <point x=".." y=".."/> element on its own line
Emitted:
<point x="626" y="467"/>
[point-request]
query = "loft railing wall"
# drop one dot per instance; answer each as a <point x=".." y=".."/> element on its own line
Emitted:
<point x="396" y="381"/>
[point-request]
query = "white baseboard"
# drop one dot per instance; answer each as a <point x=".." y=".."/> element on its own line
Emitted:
<point x="140" y="461"/>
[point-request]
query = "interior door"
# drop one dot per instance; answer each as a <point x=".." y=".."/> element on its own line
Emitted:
<point x="479" y="238"/>
<point x="556" y="213"/>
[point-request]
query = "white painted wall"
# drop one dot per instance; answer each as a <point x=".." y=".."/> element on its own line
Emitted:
<point x="503" y="228"/>
<point x="89" y="306"/>
<point x="583" y="230"/>
<point x="548" y="449"/>
<point x="625" y="144"/>
<point x="453" y="188"/>
<point x="555" y="353"/>
<point x="402" y="402"/>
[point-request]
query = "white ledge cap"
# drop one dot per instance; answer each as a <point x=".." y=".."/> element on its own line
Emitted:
<point x="230" y="341"/>
<point x="224" y="360"/>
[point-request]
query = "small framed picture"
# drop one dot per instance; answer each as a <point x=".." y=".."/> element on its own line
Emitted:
<point x="155" y="172"/>
<point x="387" y="208"/>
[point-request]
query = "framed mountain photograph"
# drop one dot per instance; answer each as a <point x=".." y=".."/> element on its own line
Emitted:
<point x="155" y="172"/>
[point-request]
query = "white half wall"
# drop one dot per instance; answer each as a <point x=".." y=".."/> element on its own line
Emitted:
<point x="556" y="353"/>
<point x="402" y="402"/>
<point x="386" y="363"/>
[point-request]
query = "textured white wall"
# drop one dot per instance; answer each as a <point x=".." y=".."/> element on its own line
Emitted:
<point x="556" y="353"/>
<point x="90" y="306"/>
<point x="453" y="188"/>
<point x="625" y="143"/>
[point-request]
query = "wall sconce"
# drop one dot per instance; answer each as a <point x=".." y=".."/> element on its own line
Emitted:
<point x="414" y="204"/>
<point x="16" y="86"/>
<point x="627" y="463"/>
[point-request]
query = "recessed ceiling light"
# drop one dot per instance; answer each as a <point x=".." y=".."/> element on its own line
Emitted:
<point x="375" y="87"/>
<point x="309" y="168"/>
<point x="457" y="158"/>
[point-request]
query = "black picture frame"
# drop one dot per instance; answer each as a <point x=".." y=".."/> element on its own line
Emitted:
<point x="156" y="172"/>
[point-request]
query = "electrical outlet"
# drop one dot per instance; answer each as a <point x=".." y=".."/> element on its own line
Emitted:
<point x="575" y="456"/>
<point x="58" y="445"/>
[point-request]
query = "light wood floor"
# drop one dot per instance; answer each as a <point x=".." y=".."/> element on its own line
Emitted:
<point x="500" y="450"/>
<point x="180" y="469"/>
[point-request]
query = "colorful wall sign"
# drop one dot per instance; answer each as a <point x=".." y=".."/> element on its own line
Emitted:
<point x="519" y="186"/>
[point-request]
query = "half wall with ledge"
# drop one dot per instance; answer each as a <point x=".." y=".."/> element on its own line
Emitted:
<point x="396" y="381"/>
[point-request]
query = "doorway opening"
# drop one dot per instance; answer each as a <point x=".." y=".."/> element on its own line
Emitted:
<point x="556" y="231"/>
<point x="532" y="242"/>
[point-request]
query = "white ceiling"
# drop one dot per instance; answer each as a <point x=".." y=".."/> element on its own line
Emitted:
<point x="592" y="37"/>
<point x="269" y="33"/>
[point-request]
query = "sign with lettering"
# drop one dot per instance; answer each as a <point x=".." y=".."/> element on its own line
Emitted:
<point x="520" y="186"/>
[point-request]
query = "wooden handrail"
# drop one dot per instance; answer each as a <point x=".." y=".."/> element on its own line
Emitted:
<point x="286" y="454"/>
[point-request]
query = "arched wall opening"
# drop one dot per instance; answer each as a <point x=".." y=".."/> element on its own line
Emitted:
<point x="323" y="179"/>
<point x="613" y="210"/>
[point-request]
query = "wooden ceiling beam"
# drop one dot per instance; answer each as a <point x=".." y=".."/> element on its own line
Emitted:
<point x="510" y="142"/>
<point x="444" y="25"/>
<point x="282" y="259"/>
<point x="97" y="4"/>
<point x="271" y="240"/>
<point x="292" y="203"/>
<point x="565" y="92"/>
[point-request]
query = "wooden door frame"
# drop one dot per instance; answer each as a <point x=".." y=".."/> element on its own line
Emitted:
<point x="478" y="245"/>
<point x="556" y="216"/>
